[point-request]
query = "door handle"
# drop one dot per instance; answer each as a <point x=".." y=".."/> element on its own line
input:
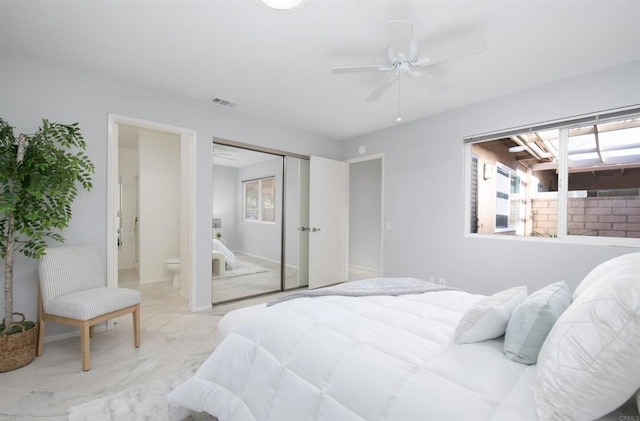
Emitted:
<point x="303" y="229"/>
<point x="314" y="229"/>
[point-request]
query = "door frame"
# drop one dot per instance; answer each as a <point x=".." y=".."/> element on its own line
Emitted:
<point x="188" y="139"/>
<point x="379" y="156"/>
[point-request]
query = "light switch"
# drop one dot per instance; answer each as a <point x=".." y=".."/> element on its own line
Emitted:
<point x="388" y="225"/>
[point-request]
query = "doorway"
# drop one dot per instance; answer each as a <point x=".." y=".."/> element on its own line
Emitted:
<point x="366" y="217"/>
<point x="150" y="194"/>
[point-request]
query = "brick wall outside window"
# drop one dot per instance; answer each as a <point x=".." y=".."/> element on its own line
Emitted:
<point x="617" y="216"/>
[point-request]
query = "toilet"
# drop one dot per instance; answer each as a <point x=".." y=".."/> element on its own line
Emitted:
<point x="173" y="265"/>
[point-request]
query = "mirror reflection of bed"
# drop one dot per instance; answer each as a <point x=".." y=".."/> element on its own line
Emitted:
<point x="237" y="274"/>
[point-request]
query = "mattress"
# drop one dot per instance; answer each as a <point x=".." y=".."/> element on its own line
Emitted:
<point x="356" y="358"/>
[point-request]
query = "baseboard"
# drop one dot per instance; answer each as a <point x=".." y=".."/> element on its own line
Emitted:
<point x="156" y="281"/>
<point x="277" y="262"/>
<point x="364" y="268"/>
<point x="203" y="308"/>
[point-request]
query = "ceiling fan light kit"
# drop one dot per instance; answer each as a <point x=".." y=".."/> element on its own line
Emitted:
<point x="403" y="56"/>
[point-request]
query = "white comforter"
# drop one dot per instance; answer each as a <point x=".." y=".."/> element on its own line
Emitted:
<point x="356" y="358"/>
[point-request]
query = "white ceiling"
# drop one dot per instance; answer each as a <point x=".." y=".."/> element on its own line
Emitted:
<point x="277" y="65"/>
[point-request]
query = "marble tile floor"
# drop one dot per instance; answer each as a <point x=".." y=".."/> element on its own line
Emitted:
<point x="224" y="289"/>
<point x="247" y="285"/>
<point x="173" y="340"/>
<point x="357" y="273"/>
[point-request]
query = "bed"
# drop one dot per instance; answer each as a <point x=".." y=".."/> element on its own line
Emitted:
<point x="221" y="257"/>
<point x="405" y="349"/>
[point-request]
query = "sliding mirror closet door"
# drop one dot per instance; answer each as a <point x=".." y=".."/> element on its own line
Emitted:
<point x="247" y="223"/>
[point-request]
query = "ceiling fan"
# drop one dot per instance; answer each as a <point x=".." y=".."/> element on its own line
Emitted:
<point x="223" y="153"/>
<point x="404" y="59"/>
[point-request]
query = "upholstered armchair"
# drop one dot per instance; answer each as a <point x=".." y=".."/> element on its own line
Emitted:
<point x="73" y="291"/>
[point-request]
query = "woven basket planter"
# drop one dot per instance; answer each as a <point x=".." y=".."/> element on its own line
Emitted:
<point x="19" y="349"/>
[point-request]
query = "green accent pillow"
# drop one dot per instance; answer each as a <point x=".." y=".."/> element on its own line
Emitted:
<point x="532" y="320"/>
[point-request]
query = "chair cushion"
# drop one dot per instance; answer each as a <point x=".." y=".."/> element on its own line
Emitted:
<point x="90" y="303"/>
<point x="69" y="269"/>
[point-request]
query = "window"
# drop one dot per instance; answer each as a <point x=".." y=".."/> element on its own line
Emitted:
<point x="260" y="200"/>
<point x="574" y="179"/>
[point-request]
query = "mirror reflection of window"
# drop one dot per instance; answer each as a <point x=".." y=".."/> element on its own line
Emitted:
<point x="251" y="199"/>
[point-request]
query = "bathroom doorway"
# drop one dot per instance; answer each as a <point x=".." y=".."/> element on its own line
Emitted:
<point x="151" y="202"/>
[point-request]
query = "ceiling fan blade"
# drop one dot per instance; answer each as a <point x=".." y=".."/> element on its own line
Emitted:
<point x="229" y="157"/>
<point x="453" y="52"/>
<point x="382" y="88"/>
<point x="367" y="68"/>
<point x="401" y="35"/>
<point x="429" y="81"/>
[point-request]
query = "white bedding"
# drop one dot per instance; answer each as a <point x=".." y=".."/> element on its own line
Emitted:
<point x="356" y="358"/>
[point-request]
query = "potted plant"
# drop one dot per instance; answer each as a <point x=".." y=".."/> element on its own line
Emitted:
<point x="39" y="178"/>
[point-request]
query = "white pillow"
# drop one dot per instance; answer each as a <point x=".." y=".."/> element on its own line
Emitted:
<point x="532" y="320"/>
<point x="590" y="363"/>
<point x="488" y="318"/>
<point x="617" y="264"/>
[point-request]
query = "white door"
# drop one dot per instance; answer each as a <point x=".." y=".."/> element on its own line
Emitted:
<point x="328" y="222"/>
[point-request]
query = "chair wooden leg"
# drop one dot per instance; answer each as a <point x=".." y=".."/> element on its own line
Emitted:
<point x="40" y="349"/>
<point x="136" y="326"/>
<point x="92" y="330"/>
<point x="84" y="343"/>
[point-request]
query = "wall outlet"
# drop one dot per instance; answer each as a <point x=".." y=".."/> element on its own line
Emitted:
<point x="442" y="281"/>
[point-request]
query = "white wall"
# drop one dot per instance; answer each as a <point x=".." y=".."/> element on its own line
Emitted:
<point x="424" y="188"/>
<point x="365" y="199"/>
<point x="159" y="203"/>
<point x="258" y="238"/>
<point x="32" y="88"/>
<point x="225" y="203"/>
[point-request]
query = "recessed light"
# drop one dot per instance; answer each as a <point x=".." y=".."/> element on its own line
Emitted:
<point x="283" y="4"/>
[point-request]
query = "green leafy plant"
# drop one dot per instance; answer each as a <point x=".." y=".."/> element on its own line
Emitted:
<point x="39" y="178"/>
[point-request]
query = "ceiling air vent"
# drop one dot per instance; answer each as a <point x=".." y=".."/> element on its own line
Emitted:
<point x="223" y="102"/>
